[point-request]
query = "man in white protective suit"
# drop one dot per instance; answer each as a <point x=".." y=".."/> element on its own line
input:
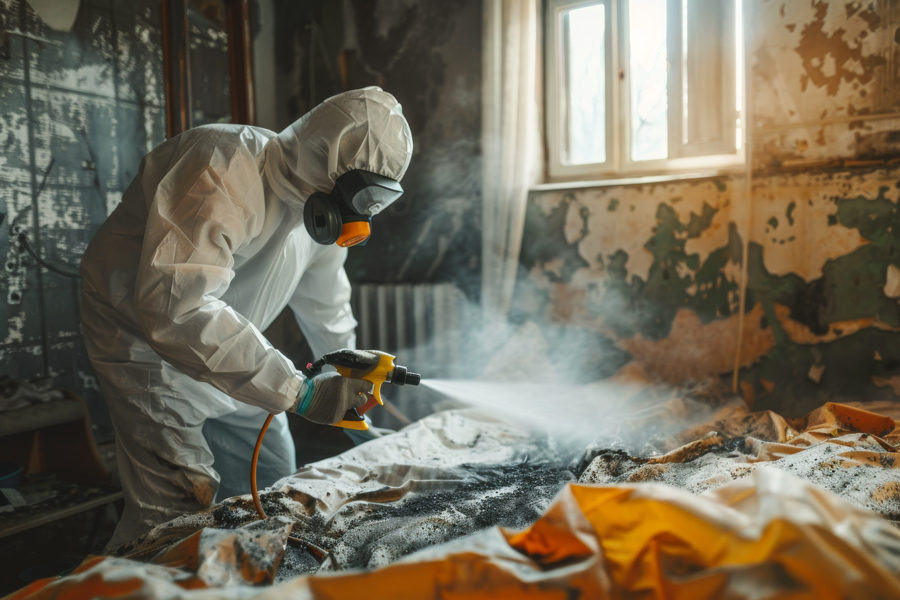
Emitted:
<point x="222" y="228"/>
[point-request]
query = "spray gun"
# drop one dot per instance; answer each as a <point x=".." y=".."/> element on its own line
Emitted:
<point x="370" y="365"/>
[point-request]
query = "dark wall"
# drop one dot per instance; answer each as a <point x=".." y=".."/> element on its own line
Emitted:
<point x="428" y="54"/>
<point x="78" y="109"/>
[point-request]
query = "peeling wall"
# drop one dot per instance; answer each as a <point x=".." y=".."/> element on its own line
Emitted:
<point x="825" y="81"/>
<point x="653" y="272"/>
<point x="77" y="111"/>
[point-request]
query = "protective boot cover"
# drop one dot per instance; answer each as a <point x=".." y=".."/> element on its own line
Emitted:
<point x="205" y="250"/>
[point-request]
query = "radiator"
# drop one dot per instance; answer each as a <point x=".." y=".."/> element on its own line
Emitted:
<point x="423" y="325"/>
<point x="419" y="322"/>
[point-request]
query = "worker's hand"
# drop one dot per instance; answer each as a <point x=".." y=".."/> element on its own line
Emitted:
<point x="329" y="395"/>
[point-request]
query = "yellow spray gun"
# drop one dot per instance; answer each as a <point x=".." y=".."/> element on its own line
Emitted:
<point x="370" y="365"/>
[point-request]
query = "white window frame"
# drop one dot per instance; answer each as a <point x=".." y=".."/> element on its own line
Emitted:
<point x="618" y="115"/>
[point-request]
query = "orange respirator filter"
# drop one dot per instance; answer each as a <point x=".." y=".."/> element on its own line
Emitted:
<point x="353" y="233"/>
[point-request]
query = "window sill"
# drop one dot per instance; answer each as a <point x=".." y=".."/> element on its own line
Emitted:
<point x="627" y="181"/>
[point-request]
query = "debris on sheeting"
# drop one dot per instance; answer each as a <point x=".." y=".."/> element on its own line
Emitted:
<point x="766" y="503"/>
<point x="442" y="478"/>
<point x="762" y="536"/>
<point x="844" y="449"/>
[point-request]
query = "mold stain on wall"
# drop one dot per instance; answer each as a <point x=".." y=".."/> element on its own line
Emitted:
<point x="655" y="270"/>
<point x="78" y="109"/>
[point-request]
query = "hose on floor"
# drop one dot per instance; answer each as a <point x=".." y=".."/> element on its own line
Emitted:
<point x="316" y="552"/>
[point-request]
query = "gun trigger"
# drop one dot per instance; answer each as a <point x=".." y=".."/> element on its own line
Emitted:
<point x="376" y="390"/>
<point x="371" y="403"/>
<point x="358" y="425"/>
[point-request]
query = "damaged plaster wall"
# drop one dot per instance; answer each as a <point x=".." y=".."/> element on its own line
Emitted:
<point x="78" y="109"/>
<point x="428" y="55"/>
<point x="653" y="272"/>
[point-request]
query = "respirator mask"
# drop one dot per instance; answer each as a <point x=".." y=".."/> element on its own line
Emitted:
<point x="345" y="215"/>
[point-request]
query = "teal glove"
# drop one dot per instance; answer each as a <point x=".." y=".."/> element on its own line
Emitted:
<point x="329" y="395"/>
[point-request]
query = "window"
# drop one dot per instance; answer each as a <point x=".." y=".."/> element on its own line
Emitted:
<point x="643" y="86"/>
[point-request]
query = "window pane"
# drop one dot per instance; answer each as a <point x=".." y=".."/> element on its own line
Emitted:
<point x="649" y="79"/>
<point x="585" y="35"/>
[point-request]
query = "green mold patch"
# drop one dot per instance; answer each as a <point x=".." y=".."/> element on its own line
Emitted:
<point x="676" y="279"/>
<point x="544" y="240"/>
<point x="877" y="220"/>
<point x="630" y="304"/>
<point x="848" y="368"/>
<point x="851" y="288"/>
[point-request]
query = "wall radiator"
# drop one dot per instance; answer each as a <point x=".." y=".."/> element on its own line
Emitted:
<point x="422" y="324"/>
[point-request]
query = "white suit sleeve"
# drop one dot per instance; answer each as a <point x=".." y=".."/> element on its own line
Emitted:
<point x="321" y="303"/>
<point x="205" y="208"/>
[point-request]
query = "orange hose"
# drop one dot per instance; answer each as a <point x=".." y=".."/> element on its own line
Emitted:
<point x="253" y="490"/>
<point x="319" y="554"/>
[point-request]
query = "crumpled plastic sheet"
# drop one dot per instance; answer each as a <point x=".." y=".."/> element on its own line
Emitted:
<point x="390" y="503"/>
<point x="769" y="535"/>
<point x="446" y="476"/>
<point x="848" y="450"/>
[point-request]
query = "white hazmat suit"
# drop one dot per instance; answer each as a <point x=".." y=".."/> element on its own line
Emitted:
<point x="206" y="249"/>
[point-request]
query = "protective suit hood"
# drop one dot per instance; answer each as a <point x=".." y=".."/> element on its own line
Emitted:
<point x="360" y="129"/>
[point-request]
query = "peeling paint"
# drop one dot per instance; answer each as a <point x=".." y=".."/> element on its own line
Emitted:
<point x="823" y="322"/>
<point x="815" y="373"/>
<point x="829" y="59"/>
<point x="826" y="82"/>
<point x="892" y="282"/>
<point x="890" y="382"/>
<point x="693" y="350"/>
<point x="14" y="329"/>
<point x="801" y="334"/>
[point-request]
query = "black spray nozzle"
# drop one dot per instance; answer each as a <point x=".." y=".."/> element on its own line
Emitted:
<point x="402" y="376"/>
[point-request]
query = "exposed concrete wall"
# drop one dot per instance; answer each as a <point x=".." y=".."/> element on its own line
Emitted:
<point x="653" y="272"/>
<point x="90" y="103"/>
